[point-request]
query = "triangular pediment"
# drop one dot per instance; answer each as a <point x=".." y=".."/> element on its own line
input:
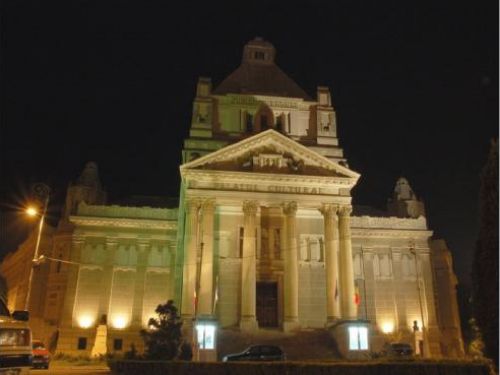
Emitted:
<point x="270" y="152"/>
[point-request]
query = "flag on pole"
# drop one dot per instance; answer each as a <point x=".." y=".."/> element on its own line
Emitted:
<point x="195" y="302"/>
<point x="357" y="297"/>
<point x="216" y="294"/>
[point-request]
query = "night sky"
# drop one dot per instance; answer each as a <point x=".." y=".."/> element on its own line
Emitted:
<point x="415" y="88"/>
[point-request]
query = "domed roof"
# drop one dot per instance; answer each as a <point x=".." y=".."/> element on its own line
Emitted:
<point x="259" y="75"/>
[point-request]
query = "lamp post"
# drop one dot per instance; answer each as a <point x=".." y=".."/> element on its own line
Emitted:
<point x="414" y="252"/>
<point x="42" y="192"/>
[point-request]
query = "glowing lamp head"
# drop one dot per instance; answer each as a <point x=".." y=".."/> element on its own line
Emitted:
<point x="31" y="211"/>
<point x="119" y="322"/>
<point x="387" y="327"/>
<point x="85" y="321"/>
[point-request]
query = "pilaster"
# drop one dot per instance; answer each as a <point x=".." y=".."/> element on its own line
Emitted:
<point x="207" y="262"/>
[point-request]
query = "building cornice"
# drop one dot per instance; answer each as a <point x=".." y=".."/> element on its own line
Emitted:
<point x="92" y="221"/>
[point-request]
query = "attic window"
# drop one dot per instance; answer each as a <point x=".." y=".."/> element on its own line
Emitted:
<point x="259" y="55"/>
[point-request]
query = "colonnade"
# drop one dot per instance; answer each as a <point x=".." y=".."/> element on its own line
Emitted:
<point x="338" y="263"/>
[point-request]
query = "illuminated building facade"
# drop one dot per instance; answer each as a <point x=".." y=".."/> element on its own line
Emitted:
<point x="265" y="234"/>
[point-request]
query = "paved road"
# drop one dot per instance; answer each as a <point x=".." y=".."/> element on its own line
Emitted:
<point x="74" y="370"/>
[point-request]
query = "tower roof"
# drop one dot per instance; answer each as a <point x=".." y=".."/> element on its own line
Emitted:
<point x="259" y="75"/>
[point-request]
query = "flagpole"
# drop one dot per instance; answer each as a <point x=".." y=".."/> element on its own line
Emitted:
<point x="364" y="281"/>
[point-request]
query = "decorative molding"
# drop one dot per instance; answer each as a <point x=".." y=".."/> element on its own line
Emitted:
<point x="158" y="269"/>
<point x="419" y="223"/>
<point x="123" y="223"/>
<point x="279" y="144"/>
<point x="114" y="211"/>
<point x="388" y="233"/>
<point x="91" y="267"/>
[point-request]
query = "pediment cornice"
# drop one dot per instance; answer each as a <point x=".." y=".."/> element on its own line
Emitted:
<point x="270" y="152"/>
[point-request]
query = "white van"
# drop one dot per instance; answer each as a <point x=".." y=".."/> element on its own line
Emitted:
<point x="16" y="353"/>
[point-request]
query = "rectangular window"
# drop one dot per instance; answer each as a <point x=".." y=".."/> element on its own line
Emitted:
<point x="279" y="124"/>
<point x="249" y="123"/>
<point x="117" y="344"/>
<point x="82" y="343"/>
<point x="358" y="338"/>
<point x="260" y="55"/>
<point x="263" y="122"/>
<point x="242" y="233"/>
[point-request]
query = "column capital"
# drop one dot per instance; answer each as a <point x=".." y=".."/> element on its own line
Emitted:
<point x="345" y="211"/>
<point x="208" y="204"/>
<point x="192" y="204"/>
<point x="290" y="208"/>
<point x="329" y="209"/>
<point x="250" y="207"/>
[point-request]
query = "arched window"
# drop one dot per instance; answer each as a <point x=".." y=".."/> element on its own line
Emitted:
<point x="264" y="119"/>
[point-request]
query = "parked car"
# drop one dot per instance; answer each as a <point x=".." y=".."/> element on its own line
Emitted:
<point x="258" y="353"/>
<point x="397" y="350"/>
<point x="41" y="356"/>
<point x="15" y="341"/>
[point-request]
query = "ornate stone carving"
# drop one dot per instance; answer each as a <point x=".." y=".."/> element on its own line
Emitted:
<point x="345" y="211"/>
<point x="250" y="207"/>
<point x="208" y="205"/>
<point x="329" y="210"/>
<point x="290" y="208"/>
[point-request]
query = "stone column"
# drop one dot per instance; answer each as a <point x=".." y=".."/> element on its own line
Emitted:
<point x="291" y="270"/>
<point x="248" y="320"/>
<point x="207" y="261"/>
<point x="108" y="269"/>
<point x="140" y="278"/>
<point x="190" y="258"/>
<point x="331" y="231"/>
<point x="346" y="267"/>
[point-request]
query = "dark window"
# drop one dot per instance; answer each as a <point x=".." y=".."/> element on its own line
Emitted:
<point x="249" y="123"/>
<point x="242" y="233"/>
<point x="263" y="122"/>
<point x="279" y="124"/>
<point x="82" y="343"/>
<point x="260" y="55"/>
<point x="59" y="264"/>
<point x="117" y="344"/>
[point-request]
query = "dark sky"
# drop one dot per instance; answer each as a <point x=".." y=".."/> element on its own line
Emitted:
<point x="415" y="88"/>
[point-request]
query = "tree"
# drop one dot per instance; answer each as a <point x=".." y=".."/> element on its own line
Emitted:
<point x="3" y="289"/>
<point x="485" y="265"/>
<point x="164" y="337"/>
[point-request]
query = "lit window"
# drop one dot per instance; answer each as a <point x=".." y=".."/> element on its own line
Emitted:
<point x="206" y="336"/>
<point x="358" y="338"/>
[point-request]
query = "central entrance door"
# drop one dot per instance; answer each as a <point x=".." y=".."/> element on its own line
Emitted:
<point x="267" y="304"/>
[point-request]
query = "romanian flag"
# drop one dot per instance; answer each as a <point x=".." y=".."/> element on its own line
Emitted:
<point x="357" y="296"/>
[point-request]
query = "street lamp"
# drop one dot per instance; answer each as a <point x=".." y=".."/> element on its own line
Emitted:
<point x="42" y="193"/>
<point x="414" y="252"/>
